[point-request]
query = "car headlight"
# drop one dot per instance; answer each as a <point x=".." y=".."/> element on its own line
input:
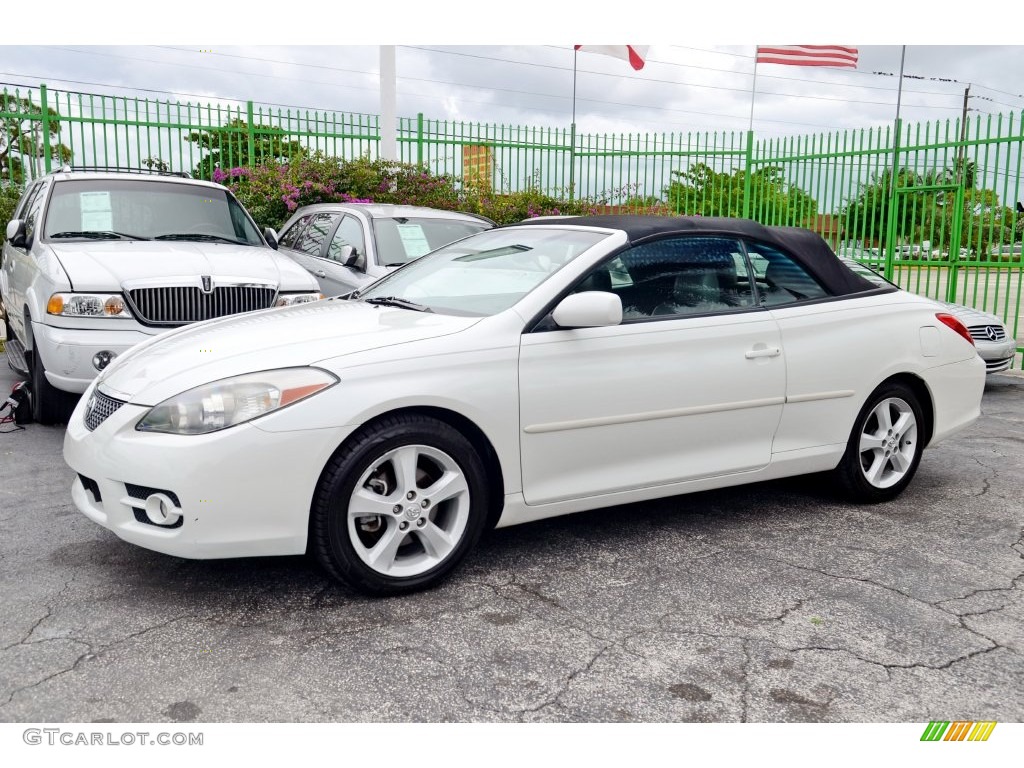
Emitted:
<point x="87" y="305"/>
<point x="225" y="403"/>
<point x="290" y="299"/>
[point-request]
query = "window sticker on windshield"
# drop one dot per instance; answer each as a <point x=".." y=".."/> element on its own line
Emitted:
<point x="413" y="239"/>
<point x="97" y="213"/>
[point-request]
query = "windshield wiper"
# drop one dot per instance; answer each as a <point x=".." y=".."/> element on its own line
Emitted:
<point x="94" y="234"/>
<point x="200" y="236"/>
<point x="395" y="301"/>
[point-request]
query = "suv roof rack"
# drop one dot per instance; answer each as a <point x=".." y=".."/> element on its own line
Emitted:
<point x="118" y="169"/>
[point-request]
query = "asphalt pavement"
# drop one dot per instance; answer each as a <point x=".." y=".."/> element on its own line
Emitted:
<point x="775" y="602"/>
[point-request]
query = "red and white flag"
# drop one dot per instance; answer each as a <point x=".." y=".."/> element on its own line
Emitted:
<point x="808" y="55"/>
<point x="634" y="54"/>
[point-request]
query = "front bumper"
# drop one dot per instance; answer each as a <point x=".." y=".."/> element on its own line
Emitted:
<point x="242" y="492"/>
<point x="67" y="353"/>
<point x="998" y="355"/>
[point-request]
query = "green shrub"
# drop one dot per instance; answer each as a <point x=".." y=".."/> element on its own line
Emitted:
<point x="273" y="192"/>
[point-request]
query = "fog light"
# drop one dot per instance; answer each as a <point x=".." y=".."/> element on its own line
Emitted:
<point x="161" y="510"/>
<point x="102" y="359"/>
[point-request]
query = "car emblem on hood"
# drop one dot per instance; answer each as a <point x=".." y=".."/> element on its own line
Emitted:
<point x="990" y="331"/>
<point x="207" y="284"/>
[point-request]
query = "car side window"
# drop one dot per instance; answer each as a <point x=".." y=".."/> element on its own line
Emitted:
<point x="349" y="232"/>
<point x="676" y="277"/>
<point x="32" y="211"/>
<point x="311" y="240"/>
<point x="780" y="279"/>
<point x="290" y="235"/>
<point x="26" y="200"/>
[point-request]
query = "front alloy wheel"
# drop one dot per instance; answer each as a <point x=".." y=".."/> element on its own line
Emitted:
<point x="885" y="446"/>
<point x="399" y="506"/>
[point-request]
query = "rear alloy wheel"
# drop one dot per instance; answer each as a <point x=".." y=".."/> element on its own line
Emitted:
<point x="399" y="507"/>
<point x="885" y="446"/>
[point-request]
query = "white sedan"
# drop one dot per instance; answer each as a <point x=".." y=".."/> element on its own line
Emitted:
<point x="521" y="373"/>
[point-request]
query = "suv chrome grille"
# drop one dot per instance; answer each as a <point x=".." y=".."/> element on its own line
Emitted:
<point x="99" y="408"/>
<point x="987" y="332"/>
<point x="179" y="305"/>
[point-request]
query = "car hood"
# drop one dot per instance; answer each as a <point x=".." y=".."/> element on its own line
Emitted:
<point x="969" y="316"/>
<point x="109" y="265"/>
<point x="275" y="338"/>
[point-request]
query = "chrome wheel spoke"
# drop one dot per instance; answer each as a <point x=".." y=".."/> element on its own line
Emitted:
<point x="366" y="503"/>
<point x="878" y="464"/>
<point x="381" y="556"/>
<point x="900" y="461"/>
<point x="405" y="461"/>
<point x="450" y="485"/>
<point x="870" y="443"/>
<point x="435" y="541"/>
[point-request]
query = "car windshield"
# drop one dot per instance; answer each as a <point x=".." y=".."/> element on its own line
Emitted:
<point x="400" y="239"/>
<point x="145" y="209"/>
<point x="486" y="273"/>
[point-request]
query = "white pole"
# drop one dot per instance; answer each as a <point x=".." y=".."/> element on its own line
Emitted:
<point x="753" y="93"/>
<point x="388" y="104"/>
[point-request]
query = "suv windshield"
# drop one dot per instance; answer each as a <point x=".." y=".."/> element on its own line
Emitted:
<point x="401" y="239"/>
<point x="486" y="273"/>
<point x="145" y="209"/>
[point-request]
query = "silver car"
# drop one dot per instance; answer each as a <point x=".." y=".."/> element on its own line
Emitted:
<point x="346" y="246"/>
<point x="996" y="347"/>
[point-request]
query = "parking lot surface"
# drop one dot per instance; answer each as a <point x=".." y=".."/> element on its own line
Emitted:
<point x="775" y="602"/>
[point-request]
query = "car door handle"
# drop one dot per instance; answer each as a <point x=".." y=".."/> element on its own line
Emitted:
<point x="763" y="352"/>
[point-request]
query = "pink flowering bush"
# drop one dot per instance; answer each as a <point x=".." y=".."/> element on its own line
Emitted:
<point x="273" y="192"/>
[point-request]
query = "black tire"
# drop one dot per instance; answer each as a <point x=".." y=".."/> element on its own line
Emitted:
<point x="404" y="532"/>
<point x="893" y="418"/>
<point x="49" y="404"/>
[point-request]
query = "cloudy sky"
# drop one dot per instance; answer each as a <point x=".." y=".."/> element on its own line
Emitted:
<point x="513" y="63"/>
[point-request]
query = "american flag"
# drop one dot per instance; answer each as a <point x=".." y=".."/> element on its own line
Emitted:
<point x="808" y="55"/>
<point x="634" y="54"/>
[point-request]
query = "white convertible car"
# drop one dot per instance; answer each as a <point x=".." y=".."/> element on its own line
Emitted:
<point x="520" y="373"/>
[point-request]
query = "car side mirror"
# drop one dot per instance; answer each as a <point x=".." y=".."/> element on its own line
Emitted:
<point x="271" y="237"/>
<point x="348" y="256"/>
<point x="590" y="309"/>
<point x="16" y="232"/>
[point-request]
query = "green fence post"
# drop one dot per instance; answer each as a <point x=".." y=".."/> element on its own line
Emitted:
<point x="251" y="132"/>
<point x="44" y="102"/>
<point x="747" y="174"/>
<point x="419" y="139"/>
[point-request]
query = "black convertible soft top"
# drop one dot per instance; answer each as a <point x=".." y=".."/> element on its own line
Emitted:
<point x="805" y="247"/>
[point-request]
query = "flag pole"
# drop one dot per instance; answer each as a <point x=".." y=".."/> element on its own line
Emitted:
<point x="750" y="145"/>
<point x="572" y="130"/>
<point x="753" y="92"/>
<point x="890" y="248"/>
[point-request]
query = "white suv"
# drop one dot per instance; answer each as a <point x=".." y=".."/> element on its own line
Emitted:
<point x="96" y="262"/>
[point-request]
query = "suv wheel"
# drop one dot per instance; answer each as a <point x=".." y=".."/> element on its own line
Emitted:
<point x="49" y="404"/>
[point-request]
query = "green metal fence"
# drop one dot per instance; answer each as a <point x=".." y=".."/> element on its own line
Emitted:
<point x="933" y="205"/>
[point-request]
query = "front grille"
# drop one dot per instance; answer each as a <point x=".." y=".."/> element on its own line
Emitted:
<point x="141" y="493"/>
<point x="982" y="332"/>
<point x="994" y="366"/>
<point x="92" y="487"/>
<point x="99" y="408"/>
<point x="179" y="305"/>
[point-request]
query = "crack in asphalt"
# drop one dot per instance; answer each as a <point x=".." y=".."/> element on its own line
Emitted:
<point x="89" y="655"/>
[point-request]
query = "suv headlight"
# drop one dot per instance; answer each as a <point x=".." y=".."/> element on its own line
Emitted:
<point x="87" y="305"/>
<point x="228" y="402"/>
<point x="290" y="299"/>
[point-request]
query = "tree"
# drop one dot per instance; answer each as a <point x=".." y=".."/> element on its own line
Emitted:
<point x="701" y="190"/>
<point x="928" y="215"/>
<point x="228" y="147"/>
<point x="21" y="137"/>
